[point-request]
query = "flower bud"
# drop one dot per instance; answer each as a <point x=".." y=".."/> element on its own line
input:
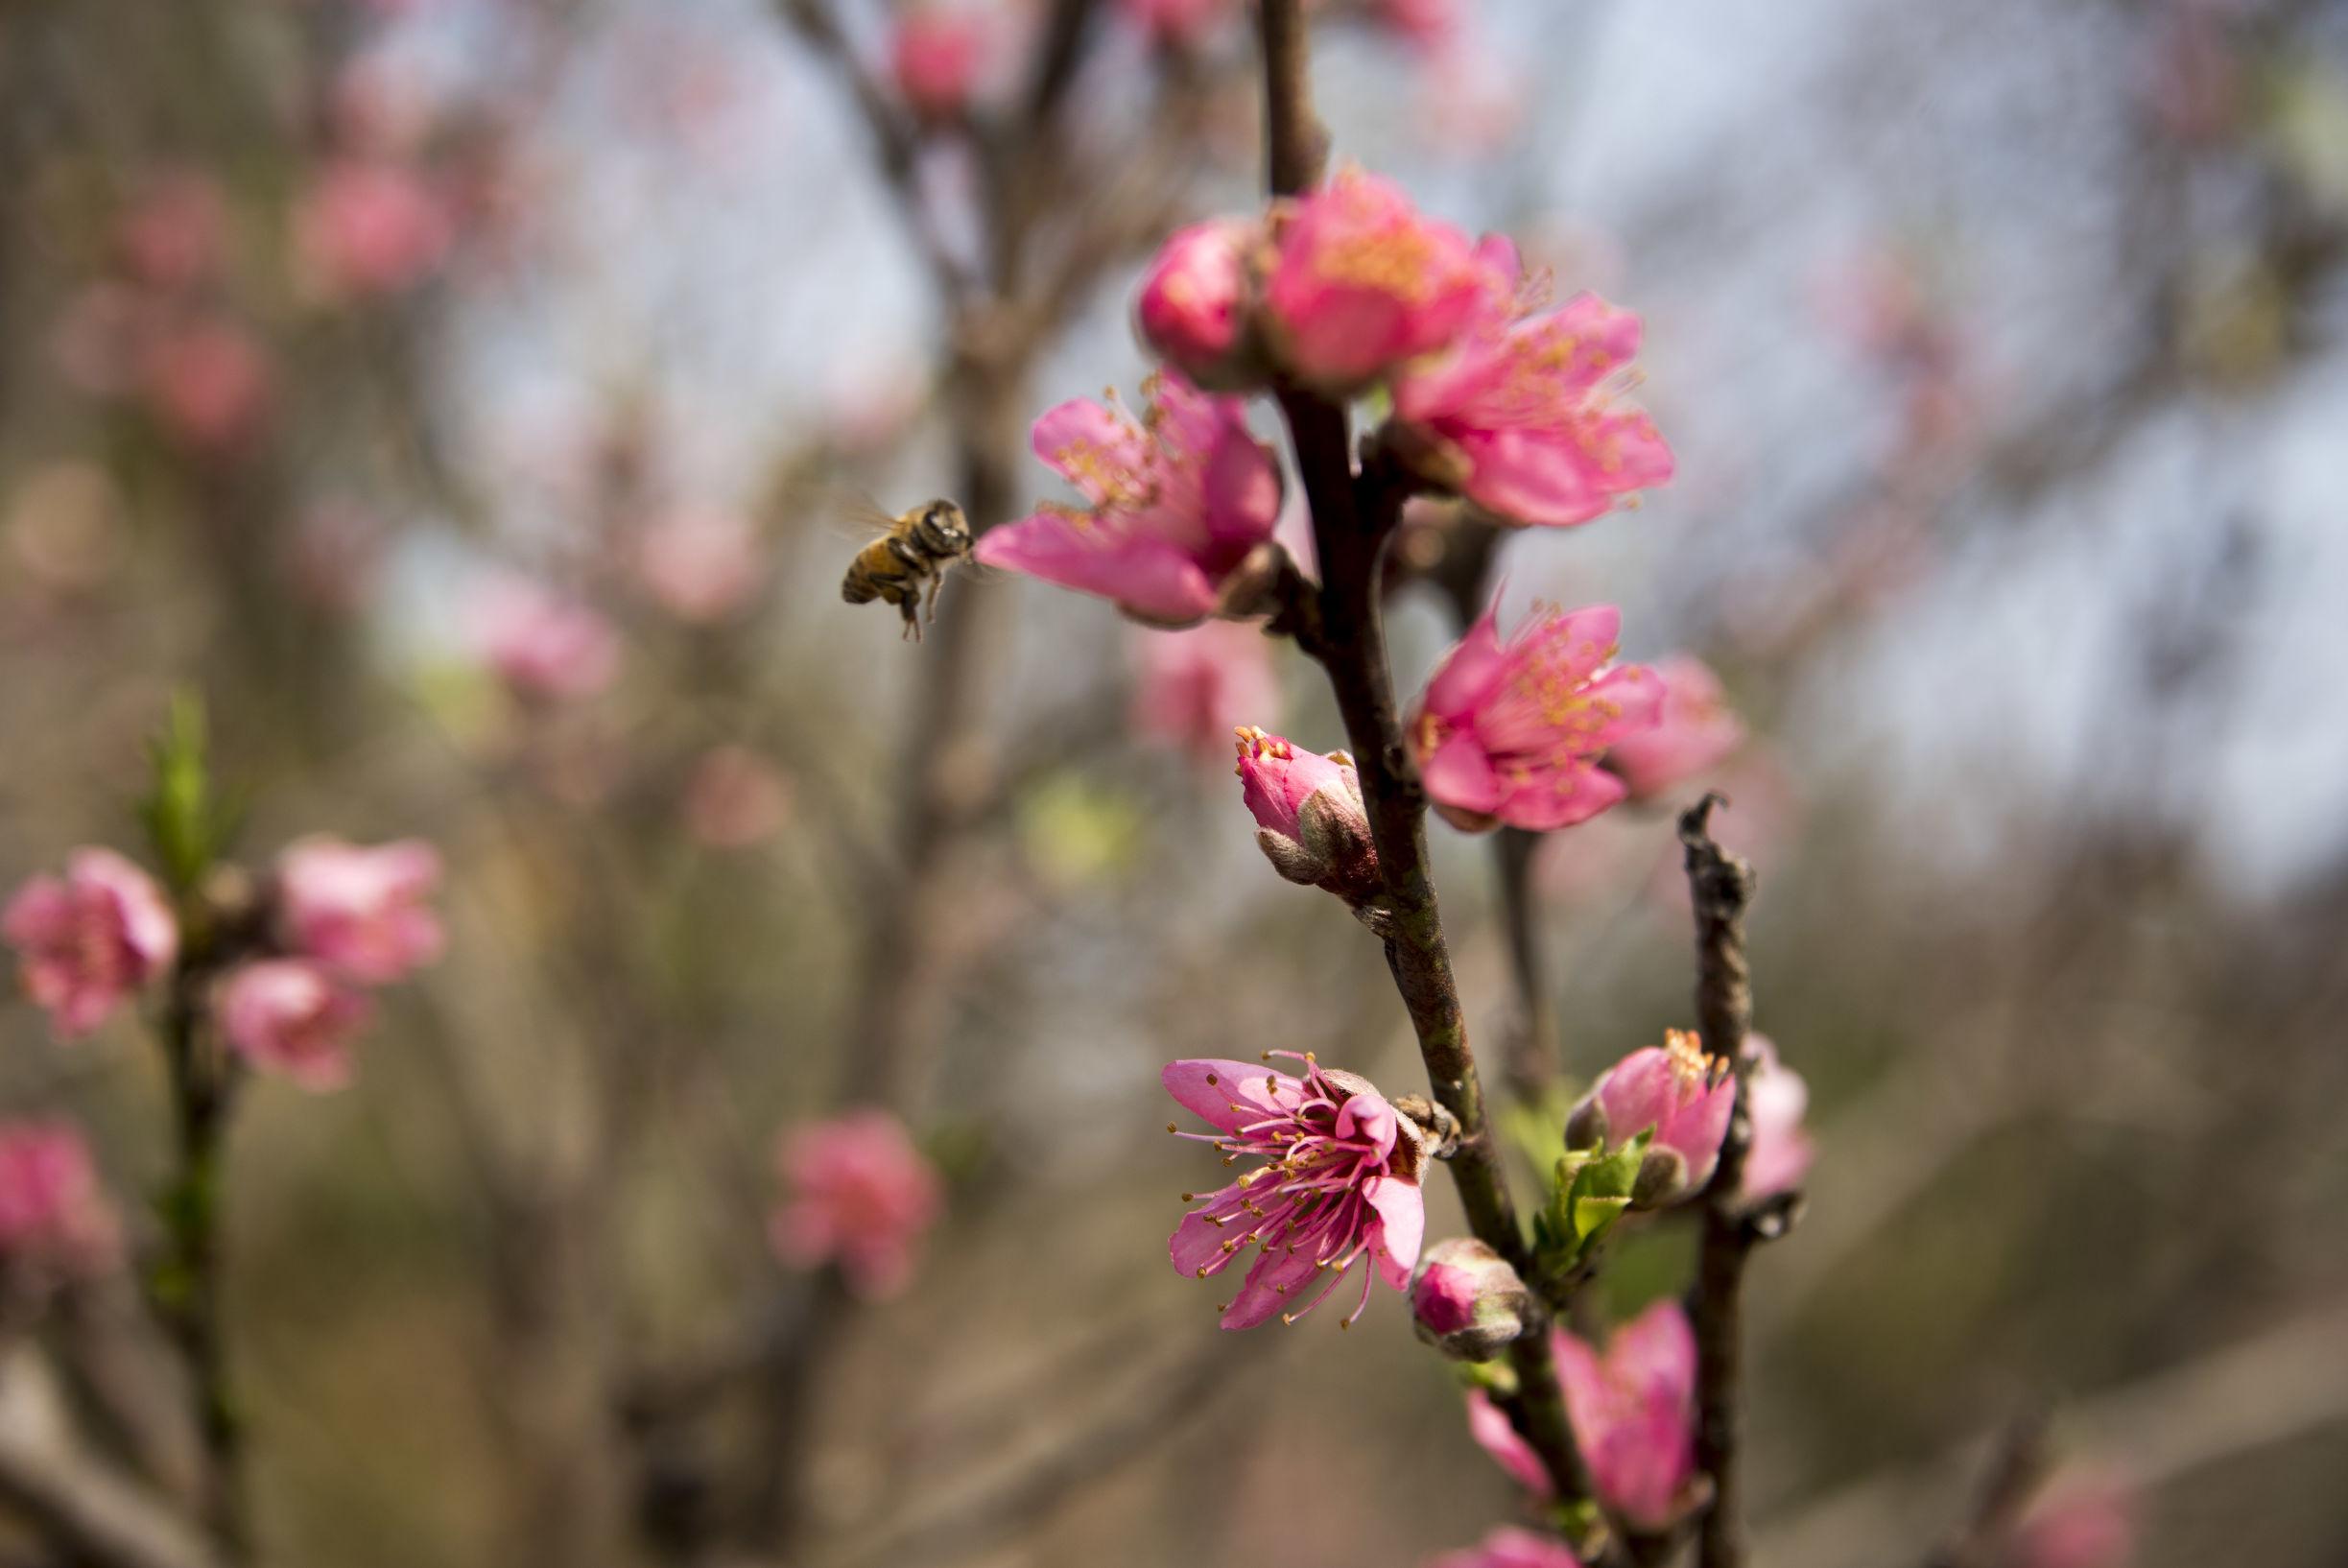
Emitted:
<point x="1194" y="305"/>
<point x="1309" y="815"/>
<point x="1674" y="1091"/>
<point x="1469" y="1303"/>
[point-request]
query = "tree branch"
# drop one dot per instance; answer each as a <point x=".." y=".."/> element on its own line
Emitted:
<point x="1720" y="886"/>
<point x="84" y="1507"/>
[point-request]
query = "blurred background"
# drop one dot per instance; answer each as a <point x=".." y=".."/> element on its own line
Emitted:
<point x="465" y="397"/>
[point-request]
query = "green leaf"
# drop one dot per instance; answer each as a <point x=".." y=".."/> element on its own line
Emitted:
<point x="187" y="824"/>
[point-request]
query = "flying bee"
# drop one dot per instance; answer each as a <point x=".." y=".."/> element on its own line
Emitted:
<point x="919" y="546"/>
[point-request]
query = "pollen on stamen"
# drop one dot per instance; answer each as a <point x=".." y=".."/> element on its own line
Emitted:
<point x="1172" y="1127"/>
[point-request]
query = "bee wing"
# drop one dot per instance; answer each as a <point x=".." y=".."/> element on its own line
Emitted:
<point x="856" y="516"/>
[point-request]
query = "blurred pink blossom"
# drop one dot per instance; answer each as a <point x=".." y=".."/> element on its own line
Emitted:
<point x="1339" y="1185"/>
<point x="1674" y="1090"/>
<point x="938" y="51"/>
<point x="208" y="383"/>
<point x="1696" y="731"/>
<point x="2082" y="1522"/>
<point x="701" y="565"/>
<point x="1508" y="1547"/>
<point x="858" y="1195"/>
<point x="290" y="1016"/>
<point x="101" y="336"/>
<point x="544" y="646"/>
<point x="369" y="226"/>
<point x="1430" y="25"/>
<point x="1513" y="734"/>
<point x="1520" y="414"/>
<point x="1633" y="1410"/>
<point x="1780" y="1150"/>
<point x="88" y="940"/>
<point x="1362" y="281"/>
<point x="56" y="1221"/>
<point x="1194" y="301"/>
<point x="735" y="798"/>
<point x="175" y="233"/>
<point x="383" y="104"/>
<point x="1195" y="687"/>
<point x="364" y="912"/>
<point x="1178" y="500"/>
<point x="1471" y="96"/>
<point x="1490" y="1425"/>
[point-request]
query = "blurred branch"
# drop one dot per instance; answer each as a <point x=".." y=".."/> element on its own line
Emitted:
<point x="81" y="1504"/>
<point x="2017" y="1466"/>
<point x="1721" y="887"/>
<point x="2264" y="1390"/>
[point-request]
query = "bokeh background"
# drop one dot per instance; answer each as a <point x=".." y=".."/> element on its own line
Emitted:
<point x="2001" y="349"/>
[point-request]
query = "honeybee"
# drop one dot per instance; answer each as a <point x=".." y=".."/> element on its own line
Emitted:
<point x="918" y="547"/>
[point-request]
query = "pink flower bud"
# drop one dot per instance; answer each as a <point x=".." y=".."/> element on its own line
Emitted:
<point x="1509" y="1547"/>
<point x="55" y="1223"/>
<point x="1362" y="282"/>
<point x="208" y="384"/>
<point x="369" y="227"/>
<point x="88" y="940"/>
<point x="362" y="913"/>
<point x="289" y="1017"/>
<point x="937" y="53"/>
<point x="544" y="646"/>
<point x="1178" y="501"/>
<point x="1469" y="1303"/>
<point x="1633" y="1410"/>
<point x="858" y="1195"/>
<point x="1695" y="731"/>
<point x="1195" y="303"/>
<point x="1178" y="23"/>
<point x="1776" y="1102"/>
<point x="1195" y="687"/>
<point x="1310" y="819"/>
<point x="1339" y="1185"/>
<point x="1513" y="734"/>
<point x="1519" y="414"/>
<point x="1684" y="1096"/>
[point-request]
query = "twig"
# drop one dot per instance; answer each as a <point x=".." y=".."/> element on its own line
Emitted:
<point x="1720" y="886"/>
<point x="1353" y="519"/>
<point x="2016" y="1469"/>
<point x="90" y="1512"/>
<point x="2285" y="1383"/>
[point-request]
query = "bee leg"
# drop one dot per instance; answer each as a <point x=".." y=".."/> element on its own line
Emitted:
<point x="909" y="606"/>
<point x="937" y="581"/>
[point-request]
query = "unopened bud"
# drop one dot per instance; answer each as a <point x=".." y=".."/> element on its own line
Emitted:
<point x="1663" y="1179"/>
<point x="1586" y="1128"/>
<point x="1292" y="860"/>
<point x="1468" y="1302"/>
<point x="1197" y="305"/>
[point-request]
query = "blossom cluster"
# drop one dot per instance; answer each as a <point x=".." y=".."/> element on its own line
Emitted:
<point x="340" y="919"/>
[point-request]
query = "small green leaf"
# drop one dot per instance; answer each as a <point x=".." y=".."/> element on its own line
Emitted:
<point x="186" y="822"/>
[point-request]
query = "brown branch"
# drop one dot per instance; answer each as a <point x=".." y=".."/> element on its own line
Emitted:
<point x="1720" y="886"/>
<point x="1353" y="519"/>
<point x="77" y="1502"/>
<point x="2017" y="1468"/>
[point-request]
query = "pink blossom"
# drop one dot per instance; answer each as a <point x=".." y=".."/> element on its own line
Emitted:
<point x="369" y="226"/>
<point x="543" y="645"/>
<point x="1696" y="731"/>
<point x="1195" y="687"/>
<point x="208" y="384"/>
<point x="1178" y="500"/>
<point x="1467" y="1301"/>
<point x="1509" y="1547"/>
<point x="362" y="913"/>
<point x="1362" y="281"/>
<point x="176" y="234"/>
<point x="1180" y="23"/>
<point x="1684" y="1096"/>
<point x="1339" y="1185"/>
<point x="937" y="53"/>
<point x="1514" y="734"/>
<point x="54" y="1218"/>
<point x="735" y="798"/>
<point x="861" y="1196"/>
<point x="1778" y="1099"/>
<point x="1633" y="1410"/>
<point x="2083" y="1522"/>
<point x="87" y="941"/>
<point x="701" y="566"/>
<point x="1194" y="303"/>
<point x="1311" y="823"/>
<point x="1519" y="416"/>
<point x="1430" y="24"/>
<point x="1276" y="778"/>
<point x="1490" y="1425"/>
<point x="290" y="1016"/>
